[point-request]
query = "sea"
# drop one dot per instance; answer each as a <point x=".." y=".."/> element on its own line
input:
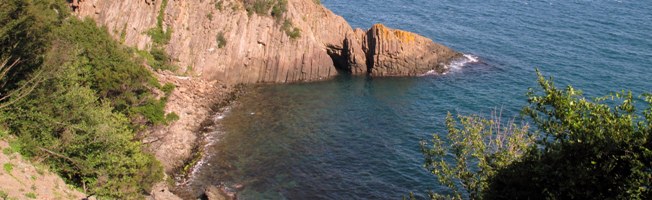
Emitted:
<point x="357" y="137"/>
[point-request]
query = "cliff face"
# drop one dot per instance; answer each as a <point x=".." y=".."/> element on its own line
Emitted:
<point x="257" y="48"/>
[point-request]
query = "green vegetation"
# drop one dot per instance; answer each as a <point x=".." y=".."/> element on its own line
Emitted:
<point x="486" y="145"/>
<point x="7" y="151"/>
<point x="221" y="41"/>
<point x="157" y="58"/>
<point x="290" y="30"/>
<point x="209" y="16"/>
<point x="3" y="195"/>
<point x="159" y="35"/>
<point x="123" y="34"/>
<point x="8" y="167"/>
<point x="76" y="99"/>
<point x="318" y="2"/>
<point x="581" y="149"/>
<point x="30" y="195"/>
<point x="274" y="8"/>
<point x="219" y="4"/>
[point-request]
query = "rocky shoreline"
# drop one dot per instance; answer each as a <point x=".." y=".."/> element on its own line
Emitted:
<point x="224" y="43"/>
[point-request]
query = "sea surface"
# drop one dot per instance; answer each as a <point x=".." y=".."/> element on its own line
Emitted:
<point x="358" y="137"/>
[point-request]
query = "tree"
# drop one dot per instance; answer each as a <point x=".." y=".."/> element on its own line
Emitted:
<point x="479" y="148"/>
<point x="597" y="149"/>
<point x="584" y="149"/>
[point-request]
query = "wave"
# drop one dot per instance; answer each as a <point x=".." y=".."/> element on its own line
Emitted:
<point x="456" y="64"/>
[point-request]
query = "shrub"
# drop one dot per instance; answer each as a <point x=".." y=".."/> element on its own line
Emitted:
<point x="78" y="120"/>
<point x="171" y="117"/>
<point x="219" y="4"/>
<point x="168" y="88"/>
<point x="480" y="147"/>
<point x="30" y="195"/>
<point x="585" y="149"/>
<point x="159" y="35"/>
<point x="221" y="41"/>
<point x="8" y="167"/>
<point x="591" y="149"/>
<point x="209" y="16"/>
<point x="290" y="30"/>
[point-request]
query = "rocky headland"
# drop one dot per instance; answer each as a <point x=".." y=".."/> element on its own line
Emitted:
<point x="228" y="42"/>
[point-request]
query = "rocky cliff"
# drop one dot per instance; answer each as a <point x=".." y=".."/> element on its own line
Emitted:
<point x="234" y="42"/>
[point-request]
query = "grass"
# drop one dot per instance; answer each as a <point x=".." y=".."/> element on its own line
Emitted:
<point x="158" y="34"/>
<point x="8" y="167"/>
<point x="7" y="151"/>
<point x="30" y="195"/>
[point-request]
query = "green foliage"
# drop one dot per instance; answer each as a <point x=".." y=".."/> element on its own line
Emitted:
<point x="290" y="30"/>
<point x="209" y="16"/>
<point x="24" y="34"/>
<point x="8" y="167"/>
<point x="80" y="121"/>
<point x="3" y="133"/>
<point x="221" y="41"/>
<point x="262" y="7"/>
<point x="3" y="195"/>
<point x="160" y="60"/>
<point x="30" y="195"/>
<point x="123" y="34"/>
<point x="584" y="149"/>
<point x="82" y="138"/>
<point x="479" y="147"/>
<point x="279" y="9"/>
<point x="153" y="111"/>
<point x="591" y="149"/>
<point x="168" y="88"/>
<point x="219" y="4"/>
<point x="318" y="2"/>
<point x="171" y="117"/>
<point x="7" y="151"/>
<point x="159" y="35"/>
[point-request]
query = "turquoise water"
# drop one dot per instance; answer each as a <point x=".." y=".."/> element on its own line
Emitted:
<point x="357" y="137"/>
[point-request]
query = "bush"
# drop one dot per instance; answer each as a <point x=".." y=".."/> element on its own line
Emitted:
<point x="209" y="16"/>
<point x="159" y="35"/>
<point x="585" y="149"/>
<point x="221" y="41"/>
<point x="480" y="147"/>
<point x="219" y="4"/>
<point x="8" y="167"/>
<point x="590" y="149"/>
<point x="290" y="30"/>
<point x="78" y="120"/>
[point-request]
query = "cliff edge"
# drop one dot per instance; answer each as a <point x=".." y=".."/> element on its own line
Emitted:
<point x="265" y="41"/>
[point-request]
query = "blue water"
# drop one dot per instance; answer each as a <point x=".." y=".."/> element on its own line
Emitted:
<point x="357" y="137"/>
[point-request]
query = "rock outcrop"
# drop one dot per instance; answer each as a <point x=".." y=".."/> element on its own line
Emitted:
<point x="382" y="51"/>
<point x="256" y="48"/>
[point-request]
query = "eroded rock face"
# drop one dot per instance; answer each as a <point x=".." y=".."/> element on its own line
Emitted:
<point x="257" y="49"/>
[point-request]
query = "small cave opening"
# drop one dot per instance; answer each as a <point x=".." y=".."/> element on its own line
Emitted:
<point x="340" y="57"/>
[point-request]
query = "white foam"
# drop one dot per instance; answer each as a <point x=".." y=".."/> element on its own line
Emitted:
<point x="461" y="62"/>
<point x="456" y="64"/>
